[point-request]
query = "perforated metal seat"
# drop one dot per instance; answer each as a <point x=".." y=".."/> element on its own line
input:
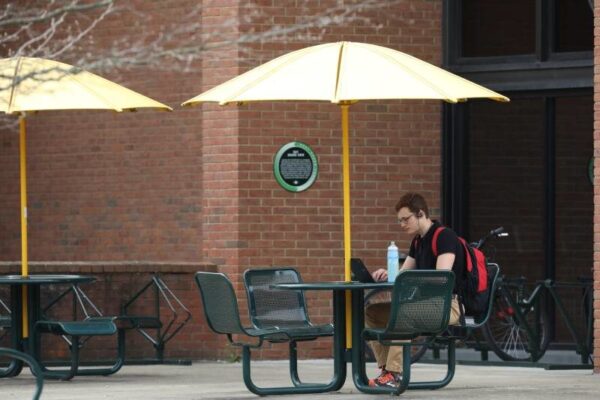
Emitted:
<point x="421" y="301"/>
<point x="284" y="309"/>
<point x="222" y="315"/>
<point x="420" y="305"/>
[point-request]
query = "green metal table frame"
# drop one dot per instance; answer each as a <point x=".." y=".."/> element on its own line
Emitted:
<point x="33" y="283"/>
<point x="356" y="353"/>
<point x="27" y="359"/>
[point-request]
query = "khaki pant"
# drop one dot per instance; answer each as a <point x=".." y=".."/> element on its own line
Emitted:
<point x="390" y="357"/>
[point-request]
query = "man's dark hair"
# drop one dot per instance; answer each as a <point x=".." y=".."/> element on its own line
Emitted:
<point x="414" y="202"/>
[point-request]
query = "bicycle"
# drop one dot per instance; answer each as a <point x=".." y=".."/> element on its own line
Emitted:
<point x="518" y="329"/>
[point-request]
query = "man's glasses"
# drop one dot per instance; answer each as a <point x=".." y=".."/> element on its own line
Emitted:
<point x="404" y="220"/>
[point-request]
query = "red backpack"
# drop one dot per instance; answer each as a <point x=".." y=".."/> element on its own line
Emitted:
<point x="474" y="287"/>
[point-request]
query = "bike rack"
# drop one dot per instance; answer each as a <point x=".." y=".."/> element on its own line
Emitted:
<point x="581" y="345"/>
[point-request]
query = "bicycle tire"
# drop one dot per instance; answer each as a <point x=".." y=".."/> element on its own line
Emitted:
<point x="507" y="339"/>
<point x="418" y="351"/>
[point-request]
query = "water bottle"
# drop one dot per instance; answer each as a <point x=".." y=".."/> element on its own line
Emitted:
<point x="392" y="261"/>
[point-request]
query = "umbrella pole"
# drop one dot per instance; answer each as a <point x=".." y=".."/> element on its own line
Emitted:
<point x="23" y="175"/>
<point x="347" y="236"/>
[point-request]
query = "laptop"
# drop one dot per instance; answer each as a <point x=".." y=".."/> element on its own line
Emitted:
<point x="360" y="272"/>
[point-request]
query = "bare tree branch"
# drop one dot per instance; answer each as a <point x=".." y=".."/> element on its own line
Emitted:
<point x="13" y="16"/>
<point x="65" y="30"/>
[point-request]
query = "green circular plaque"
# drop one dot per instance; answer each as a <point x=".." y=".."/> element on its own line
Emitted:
<point x="295" y="167"/>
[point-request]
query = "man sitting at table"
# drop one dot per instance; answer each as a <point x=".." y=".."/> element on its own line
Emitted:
<point x="414" y="219"/>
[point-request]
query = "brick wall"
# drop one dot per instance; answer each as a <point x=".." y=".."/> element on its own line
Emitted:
<point x="197" y="184"/>
<point x="596" y="188"/>
<point x="394" y="147"/>
<point x="108" y="186"/>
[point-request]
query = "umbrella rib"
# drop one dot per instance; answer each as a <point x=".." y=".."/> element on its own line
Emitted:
<point x="257" y="81"/>
<point x="14" y="86"/>
<point x="118" y="109"/>
<point x="265" y="76"/>
<point x="68" y="83"/>
<point x="418" y="76"/>
<point x="114" y="107"/>
<point x="338" y="73"/>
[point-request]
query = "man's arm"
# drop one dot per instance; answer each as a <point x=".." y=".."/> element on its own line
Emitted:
<point x="445" y="261"/>
<point x="381" y="274"/>
<point x="409" y="263"/>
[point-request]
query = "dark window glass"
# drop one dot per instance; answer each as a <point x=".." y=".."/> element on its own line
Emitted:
<point x="574" y="26"/>
<point x="498" y="27"/>
<point x="506" y="185"/>
<point x="574" y="203"/>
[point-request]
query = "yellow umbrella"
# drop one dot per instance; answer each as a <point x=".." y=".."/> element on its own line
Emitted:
<point x="343" y="73"/>
<point x="35" y="84"/>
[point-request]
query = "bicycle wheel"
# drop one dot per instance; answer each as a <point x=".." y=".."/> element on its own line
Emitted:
<point x="418" y="351"/>
<point x="504" y="333"/>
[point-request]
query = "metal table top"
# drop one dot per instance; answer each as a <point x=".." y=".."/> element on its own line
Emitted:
<point x="41" y="279"/>
<point x="333" y="285"/>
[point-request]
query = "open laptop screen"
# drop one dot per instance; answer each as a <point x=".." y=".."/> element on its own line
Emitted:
<point x="359" y="271"/>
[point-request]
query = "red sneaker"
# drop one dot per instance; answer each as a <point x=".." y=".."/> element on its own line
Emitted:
<point x="382" y="372"/>
<point x="389" y="379"/>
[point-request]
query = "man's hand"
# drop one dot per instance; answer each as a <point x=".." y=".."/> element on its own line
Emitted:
<point x="380" y="275"/>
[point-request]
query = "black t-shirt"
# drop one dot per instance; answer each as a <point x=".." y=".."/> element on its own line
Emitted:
<point x="447" y="242"/>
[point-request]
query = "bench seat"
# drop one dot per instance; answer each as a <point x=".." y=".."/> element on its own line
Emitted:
<point x="137" y="322"/>
<point x="5" y="321"/>
<point x="89" y="327"/>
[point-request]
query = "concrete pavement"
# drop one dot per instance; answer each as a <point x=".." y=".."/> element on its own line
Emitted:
<point x="216" y="380"/>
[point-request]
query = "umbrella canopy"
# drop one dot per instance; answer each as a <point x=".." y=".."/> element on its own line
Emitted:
<point x="35" y="84"/>
<point x="345" y="72"/>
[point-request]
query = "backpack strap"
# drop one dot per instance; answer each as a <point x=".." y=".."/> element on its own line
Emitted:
<point x="468" y="260"/>
<point x="437" y="232"/>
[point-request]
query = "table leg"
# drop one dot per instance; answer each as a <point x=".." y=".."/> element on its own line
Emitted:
<point x="16" y="365"/>
<point x="359" y="374"/>
<point x="34" y="347"/>
<point x="339" y="338"/>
